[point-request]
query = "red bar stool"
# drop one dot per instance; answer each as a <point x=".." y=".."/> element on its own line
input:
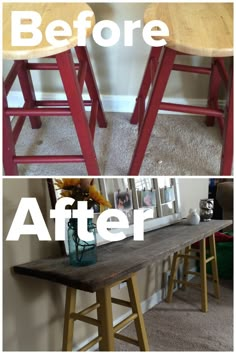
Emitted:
<point x="202" y="29"/>
<point x="74" y="73"/>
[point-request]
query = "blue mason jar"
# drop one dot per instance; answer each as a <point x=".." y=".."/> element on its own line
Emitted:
<point x="81" y="253"/>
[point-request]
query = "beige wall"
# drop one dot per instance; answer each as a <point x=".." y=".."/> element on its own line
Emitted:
<point x="119" y="69"/>
<point x="191" y="191"/>
<point x="33" y="309"/>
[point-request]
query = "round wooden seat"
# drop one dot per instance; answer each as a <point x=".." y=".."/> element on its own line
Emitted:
<point x="49" y="12"/>
<point x="204" y="29"/>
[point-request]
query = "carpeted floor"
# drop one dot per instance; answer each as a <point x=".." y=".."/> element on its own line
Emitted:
<point x="181" y="326"/>
<point x="179" y="145"/>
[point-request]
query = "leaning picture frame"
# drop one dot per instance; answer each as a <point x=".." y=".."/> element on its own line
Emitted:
<point x="53" y="198"/>
<point x="148" y="198"/>
<point x="107" y="187"/>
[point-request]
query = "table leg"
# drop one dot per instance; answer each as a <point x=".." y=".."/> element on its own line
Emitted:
<point x="186" y="266"/>
<point x="105" y="328"/>
<point x="203" y="275"/>
<point x="68" y="321"/>
<point x="139" y="321"/>
<point x="214" y="266"/>
<point x="172" y="277"/>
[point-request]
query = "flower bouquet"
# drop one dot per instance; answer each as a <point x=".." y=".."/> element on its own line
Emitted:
<point x="81" y="252"/>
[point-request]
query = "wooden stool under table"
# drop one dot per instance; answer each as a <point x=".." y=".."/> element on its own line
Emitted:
<point x="203" y="259"/>
<point x="106" y="331"/>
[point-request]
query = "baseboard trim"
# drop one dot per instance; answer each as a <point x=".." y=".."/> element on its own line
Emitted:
<point x="111" y="103"/>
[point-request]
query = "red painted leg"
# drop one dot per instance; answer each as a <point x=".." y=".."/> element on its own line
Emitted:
<point x="82" y="55"/>
<point x="74" y="97"/>
<point x="27" y="89"/>
<point x="157" y="93"/>
<point x="10" y="166"/>
<point x="213" y="93"/>
<point x="149" y="75"/>
<point x="227" y="150"/>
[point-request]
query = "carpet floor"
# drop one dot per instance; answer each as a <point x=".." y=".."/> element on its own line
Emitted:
<point x="181" y="326"/>
<point x="179" y="145"/>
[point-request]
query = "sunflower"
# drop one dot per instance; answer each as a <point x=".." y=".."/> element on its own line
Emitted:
<point x="98" y="197"/>
<point x="67" y="183"/>
<point x="81" y="190"/>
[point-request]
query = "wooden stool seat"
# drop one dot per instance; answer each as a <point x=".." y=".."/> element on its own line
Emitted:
<point x="203" y="257"/>
<point x="106" y="331"/>
<point x="49" y="13"/>
<point x="203" y="29"/>
<point x="75" y="71"/>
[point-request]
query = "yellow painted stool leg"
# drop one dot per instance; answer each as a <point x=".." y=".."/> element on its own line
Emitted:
<point x="105" y="328"/>
<point x="203" y="275"/>
<point x="186" y="266"/>
<point x="68" y="321"/>
<point x="214" y="266"/>
<point x="136" y="307"/>
<point x="172" y="277"/>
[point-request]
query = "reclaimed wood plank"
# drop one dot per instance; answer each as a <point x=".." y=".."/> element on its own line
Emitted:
<point x="119" y="259"/>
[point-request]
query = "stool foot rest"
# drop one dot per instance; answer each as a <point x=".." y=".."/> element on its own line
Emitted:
<point x="126" y="339"/>
<point x="106" y="331"/>
<point x="90" y="344"/>
<point x="74" y="75"/>
<point x="146" y="116"/>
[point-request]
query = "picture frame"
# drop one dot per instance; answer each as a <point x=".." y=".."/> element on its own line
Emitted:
<point x="123" y="200"/>
<point x="148" y="198"/>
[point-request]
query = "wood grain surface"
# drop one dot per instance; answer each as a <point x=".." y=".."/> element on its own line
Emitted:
<point x="49" y="12"/>
<point x="119" y="259"/>
<point x="204" y="29"/>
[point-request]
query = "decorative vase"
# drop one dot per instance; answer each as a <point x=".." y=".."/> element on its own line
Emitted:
<point x="193" y="217"/>
<point x="206" y="209"/>
<point x="81" y="253"/>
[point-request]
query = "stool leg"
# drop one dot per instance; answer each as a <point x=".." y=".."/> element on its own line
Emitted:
<point x="146" y="83"/>
<point x="82" y="55"/>
<point x="139" y="321"/>
<point x="186" y="266"/>
<point x="27" y="89"/>
<point x="10" y="167"/>
<point x="74" y="97"/>
<point x="105" y="328"/>
<point x="68" y="321"/>
<point x="227" y="149"/>
<point x="214" y="266"/>
<point x="203" y="275"/>
<point x="159" y="86"/>
<point x="172" y="277"/>
<point x="213" y="94"/>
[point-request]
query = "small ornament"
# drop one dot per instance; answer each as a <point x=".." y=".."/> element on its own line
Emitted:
<point x="193" y="217"/>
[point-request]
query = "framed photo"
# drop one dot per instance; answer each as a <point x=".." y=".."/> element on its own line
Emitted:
<point x="123" y="200"/>
<point x="148" y="198"/>
<point x="167" y="194"/>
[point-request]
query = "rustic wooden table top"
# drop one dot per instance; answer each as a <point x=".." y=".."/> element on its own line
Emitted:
<point x="117" y="260"/>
